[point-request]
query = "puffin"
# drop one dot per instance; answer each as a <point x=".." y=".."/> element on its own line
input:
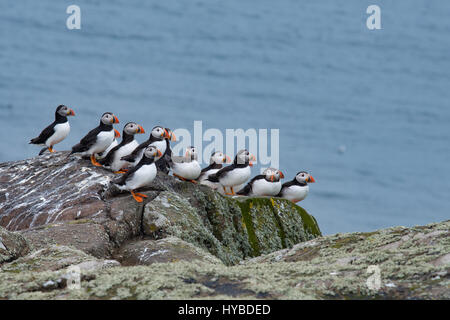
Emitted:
<point x="140" y="175"/>
<point x="297" y="189"/>
<point x="113" y="159"/>
<point x="57" y="131"/>
<point x="157" y="136"/>
<point x="186" y="168"/>
<point x="163" y="163"/>
<point x="98" y="139"/>
<point x="216" y="162"/>
<point x="236" y="173"/>
<point x="266" y="184"/>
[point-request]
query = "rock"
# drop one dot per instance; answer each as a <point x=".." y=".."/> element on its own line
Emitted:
<point x="170" y="249"/>
<point x="84" y="235"/>
<point x="230" y="228"/>
<point x="54" y="257"/>
<point x="330" y="267"/>
<point x="12" y="246"/>
<point x="56" y="199"/>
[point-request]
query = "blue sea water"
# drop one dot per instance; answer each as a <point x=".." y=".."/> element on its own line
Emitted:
<point x="367" y="112"/>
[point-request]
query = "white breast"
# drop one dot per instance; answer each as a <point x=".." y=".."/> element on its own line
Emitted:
<point x="112" y="145"/>
<point x="104" y="140"/>
<point x="188" y="170"/>
<point x="235" y="177"/>
<point x="295" y="193"/>
<point x="262" y="187"/>
<point x="142" y="177"/>
<point x="61" y="132"/>
<point x="123" y="151"/>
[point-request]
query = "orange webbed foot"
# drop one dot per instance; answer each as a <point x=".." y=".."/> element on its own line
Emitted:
<point x="141" y="195"/>
<point x="181" y="178"/>
<point x="94" y="161"/>
<point x="136" y="197"/>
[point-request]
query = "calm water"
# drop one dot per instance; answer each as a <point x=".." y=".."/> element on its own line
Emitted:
<point x="310" y="68"/>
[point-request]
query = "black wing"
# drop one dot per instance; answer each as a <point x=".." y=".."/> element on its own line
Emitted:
<point x="44" y="135"/>
<point x="123" y="178"/>
<point x="106" y="161"/>
<point x="163" y="164"/>
<point x="221" y="173"/>
<point x="132" y="156"/>
<point x="207" y="168"/>
<point x="248" y="188"/>
<point x="87" y="142"/>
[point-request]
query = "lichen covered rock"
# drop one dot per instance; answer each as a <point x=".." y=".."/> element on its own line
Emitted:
<point x="411" y="261"/>
<point x="230" y="228"/>
<point x="12" y="246"/>
<point x="170" y="249"/>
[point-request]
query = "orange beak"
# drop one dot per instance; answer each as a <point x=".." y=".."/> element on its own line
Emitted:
<point x="71" y="112"/>
<point x="115" y="120"/>
<point x="116" y="134"/>
<point x="159" y="153"/>
<point x="140" y="129"/>
<point x="272" y="177"/>
<point x="281" y="174"/>
<point x="252" y="158"/>
<point x="172" y="136"/>
<point x="311" y="179"/>
<point x="166" y="134"/>
<point x="227" y="159"/>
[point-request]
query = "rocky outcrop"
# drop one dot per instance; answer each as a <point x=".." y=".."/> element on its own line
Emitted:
<point x="188" y="241"/>
<point x="60" y="200"/>
<point x="413" y="263"/>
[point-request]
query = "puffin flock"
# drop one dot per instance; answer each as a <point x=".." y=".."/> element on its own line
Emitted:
<point x="139" y="163"/>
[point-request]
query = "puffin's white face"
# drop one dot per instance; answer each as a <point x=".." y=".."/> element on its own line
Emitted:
<point x="218" y="157"/>
<point x="303" y="177"/>
<point x="109" y="118"/>
<point x="152" y="152"/>
<point x="159" y="132"/>
<point x="191" y="153"/>
<point x="65" y="111"/>
<point x="243" y="157"/>
<point x="273" y="175"/>
<point x="133" y="128"/>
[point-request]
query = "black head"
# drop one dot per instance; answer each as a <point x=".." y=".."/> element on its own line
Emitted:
<point x="63" y="111"/>
<point x="243" y="157"/>
<point x="303" y="177"/>
<point x="108" y="118"/>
